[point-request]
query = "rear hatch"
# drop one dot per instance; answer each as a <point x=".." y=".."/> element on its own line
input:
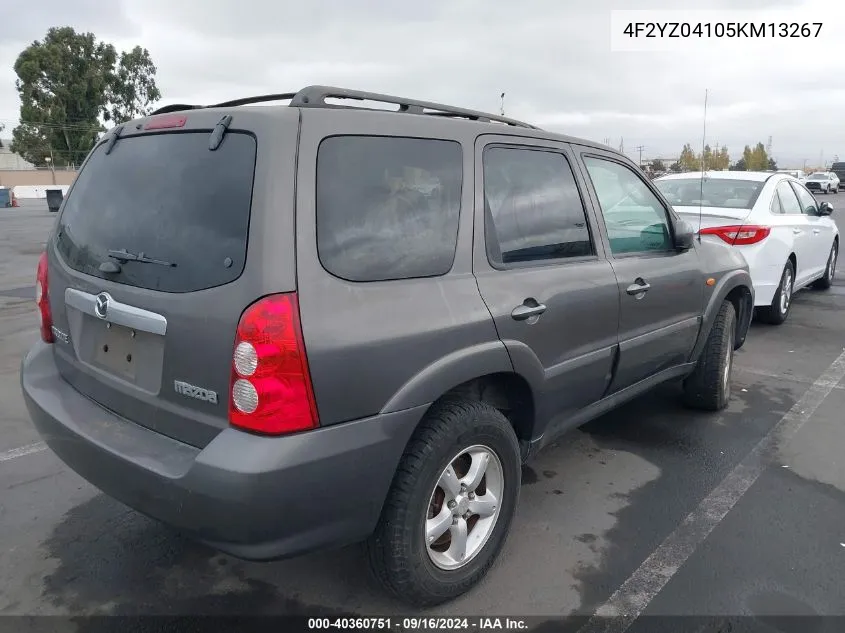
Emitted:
<point x="148" y="271"/>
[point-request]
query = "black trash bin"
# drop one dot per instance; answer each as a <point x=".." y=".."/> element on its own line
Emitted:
<point x="54" y="199"/>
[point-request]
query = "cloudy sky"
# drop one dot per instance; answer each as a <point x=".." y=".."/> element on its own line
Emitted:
<point x="553" y="58"/>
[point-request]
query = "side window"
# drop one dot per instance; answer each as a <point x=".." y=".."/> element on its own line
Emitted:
<point x="387" y="207"/>
<point x="635" y="218"/>
<point x="533" y="210"/>
<point x="808" y="202"/>
<point x="788" y="201"/>
<point x="775" y="206"/>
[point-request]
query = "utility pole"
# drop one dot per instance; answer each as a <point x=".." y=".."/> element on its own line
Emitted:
<point x="502" y="107"/>
<point x="640" y="149"/>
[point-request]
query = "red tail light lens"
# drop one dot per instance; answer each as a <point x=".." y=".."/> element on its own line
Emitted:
<point x="271" y="390"/>
<point x="739" y="235"/>
<point x="42" y="300"/>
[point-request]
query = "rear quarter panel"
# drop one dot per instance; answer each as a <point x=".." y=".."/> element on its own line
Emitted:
<point x="389" y="345"/>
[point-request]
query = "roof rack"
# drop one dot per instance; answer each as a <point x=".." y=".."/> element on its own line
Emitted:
<point x="316" y="97"/>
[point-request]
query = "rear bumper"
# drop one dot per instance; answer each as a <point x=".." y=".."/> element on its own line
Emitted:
<point x="258" y="498"/>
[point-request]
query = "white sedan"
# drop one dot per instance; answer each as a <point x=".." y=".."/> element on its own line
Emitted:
<point x="822" y="182"/>
<point x="788" y="239"/>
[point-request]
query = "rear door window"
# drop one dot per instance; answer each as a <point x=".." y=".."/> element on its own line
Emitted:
<point x="168" y="198"/>
<point x="387" y="207"/>
<point x="789" y="203"/>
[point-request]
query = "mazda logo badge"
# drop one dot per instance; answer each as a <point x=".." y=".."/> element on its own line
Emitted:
<point x="101" y="305"/>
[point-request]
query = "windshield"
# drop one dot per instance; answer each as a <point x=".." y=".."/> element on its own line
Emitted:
<point x="162" y="212"/>
<point x="818" y="177"/>
<point x="712" y="192"/>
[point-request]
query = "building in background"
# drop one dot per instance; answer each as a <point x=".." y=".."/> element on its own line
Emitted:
<point x="27" y="180"/>
<point x="10" y="161"/>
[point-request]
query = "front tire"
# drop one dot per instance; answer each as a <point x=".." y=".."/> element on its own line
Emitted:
<point x="709" y="385"/>
<point x="830" y="271"/>
<point x="776" y="313"/>
<point x="450" y="506"/>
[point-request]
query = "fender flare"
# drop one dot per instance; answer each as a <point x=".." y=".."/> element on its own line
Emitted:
<point x="728" y="283"/>
<point x="449" y="371"/>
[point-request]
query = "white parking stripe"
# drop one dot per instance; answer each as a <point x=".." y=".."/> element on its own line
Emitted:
<point x="631" y="599"/>
<point x="29" y="449"/>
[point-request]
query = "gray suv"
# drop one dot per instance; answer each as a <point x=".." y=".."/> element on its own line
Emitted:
<point x="301" y="326"/>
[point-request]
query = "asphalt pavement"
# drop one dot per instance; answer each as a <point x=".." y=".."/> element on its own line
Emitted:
<point x="651" y="510"/>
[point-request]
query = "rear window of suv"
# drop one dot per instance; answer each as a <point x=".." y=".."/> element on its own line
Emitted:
<point x="387" y="207"/>
<point x="168" y="197"/>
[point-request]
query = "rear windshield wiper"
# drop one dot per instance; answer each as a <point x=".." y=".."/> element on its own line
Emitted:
<point x="125" y="256"/>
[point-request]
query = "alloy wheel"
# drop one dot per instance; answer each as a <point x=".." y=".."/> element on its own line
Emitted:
<point x="464" y="507"/>
<point x="786" y="291"/>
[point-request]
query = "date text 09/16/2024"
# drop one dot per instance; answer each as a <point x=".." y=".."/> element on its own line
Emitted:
<point x="417" y="624"/>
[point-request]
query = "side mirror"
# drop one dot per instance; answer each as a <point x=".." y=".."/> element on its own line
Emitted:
<point x="684" y="235"/>
<point x="825" y="208"/>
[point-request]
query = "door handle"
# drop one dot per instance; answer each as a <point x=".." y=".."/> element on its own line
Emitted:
<point x="527" y="310"/>
<point x="816" y="231"/>
<point x="797" y="231"/>
<point x="638" y="288"/>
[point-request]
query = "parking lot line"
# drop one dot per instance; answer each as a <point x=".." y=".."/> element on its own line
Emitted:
<point x="29" y="449"/>
<point x="628" y="602"/>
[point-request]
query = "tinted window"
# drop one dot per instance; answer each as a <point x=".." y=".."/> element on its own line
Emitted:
<point x="726" y="193"/>
<point x="533" y="208"/>
<point x="5" y="198"/>
<point x="808" y="202"/>
<point x="166" y="196"/>
<point x="635" y="218"/>
<point x="387" y="208"/>
<point x="788" y="201"/>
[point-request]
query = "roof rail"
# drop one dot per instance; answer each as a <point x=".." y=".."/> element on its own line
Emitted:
<point x="315" y="97"/>
<point x="175" y="107"/>
<point x="284" y="96"/>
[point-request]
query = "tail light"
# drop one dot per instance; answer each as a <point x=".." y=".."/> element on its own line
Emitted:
<point x="42" y="300"/>
<point x="739" y="235"/>
<point x="14" y="201"/>
<point x="271" y="390"/>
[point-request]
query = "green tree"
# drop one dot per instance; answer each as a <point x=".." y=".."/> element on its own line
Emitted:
<point x="688" y="160"/>
<point x="706" y="158"/>
<point x="772" y="166"/>
<point x="721" y="158"/>
<point x="675" y="167"/>
<point x="760" y="158"/>
<point x="657" y="165"/>
<point x="69" y="84"/>
<point x="739" y="165"/>
<point x="133" y="89"/>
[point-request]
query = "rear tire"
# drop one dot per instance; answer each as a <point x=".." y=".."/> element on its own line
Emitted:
<point x="414" y="568"/>
<point x="776" y="313"/>
<point x="830" y="271"/>
<point x="709" y="385"/>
